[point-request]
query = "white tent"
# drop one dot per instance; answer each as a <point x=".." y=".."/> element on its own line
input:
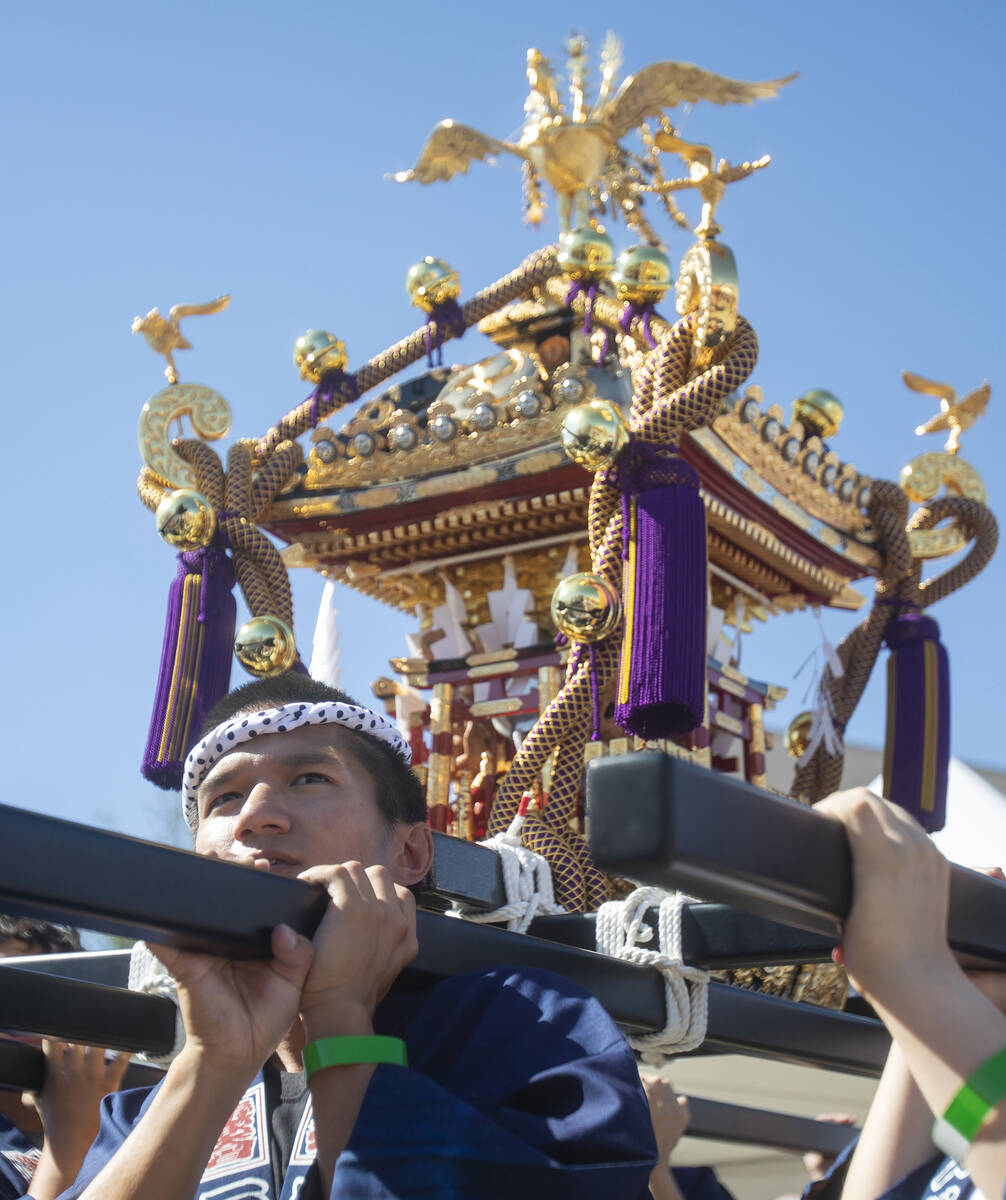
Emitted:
<point x="975" y="832"/>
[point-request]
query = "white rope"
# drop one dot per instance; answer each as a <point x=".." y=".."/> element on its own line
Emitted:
<point x="148" y="974"/>
<point x="527" y="881"/>
<point x="621" y="927"/>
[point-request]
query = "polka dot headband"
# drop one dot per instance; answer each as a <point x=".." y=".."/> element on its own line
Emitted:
<point x="283" y="719"/>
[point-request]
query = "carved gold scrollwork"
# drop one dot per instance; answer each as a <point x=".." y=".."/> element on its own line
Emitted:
<point x="922" y="479"/>
<point x="707" y="281"/>
<point x="209" y="413"/>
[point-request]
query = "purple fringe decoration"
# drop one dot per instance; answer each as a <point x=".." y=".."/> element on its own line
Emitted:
<point x="662" y="675"/>
<point x="196" y="660"/>
<point x="447" y="320"/>
<point x="917" y="747"/>
<point x="629" y="313"/>
<point x="577" y="289"/>
<point x="331" y="382"/>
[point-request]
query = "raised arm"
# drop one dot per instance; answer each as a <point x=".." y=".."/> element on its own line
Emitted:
<point x="895" y="948"/>
<point x="235" y="1015"/>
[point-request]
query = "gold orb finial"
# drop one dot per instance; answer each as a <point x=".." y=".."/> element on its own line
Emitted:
<point x="594" y="434"/>
<point x="186" y="520"/>
<point x="642" y="275"/>
<point x="586" y="254"/>
<point x="431" y="283"/>
<point x="585" y="607"/>
<point x="264" y="646"/>
<point x="318" y="351"/>
<point x="798" y="734"/>
<point x="819" y="411"/>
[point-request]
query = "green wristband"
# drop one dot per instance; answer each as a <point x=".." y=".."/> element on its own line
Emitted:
<point x="983" y="1090"/>
<point x="349" y="1051"/>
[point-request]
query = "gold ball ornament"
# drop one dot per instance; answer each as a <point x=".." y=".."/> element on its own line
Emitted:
<point x="431" y="282"/>
<point x="186" y="520"/>
<point x="316" y="352"/>
<point x="798" y="734"/>
<point x="642" y="275"/>
<point x="819" y="411"/>
<point x="594" y="434"/>
<point x="586" y="608"/>
<point x="586" y="254"/>
<point x="264" y="646"/>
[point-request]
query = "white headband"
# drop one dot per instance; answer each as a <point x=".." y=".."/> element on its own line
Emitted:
<point x="283" y="719"/>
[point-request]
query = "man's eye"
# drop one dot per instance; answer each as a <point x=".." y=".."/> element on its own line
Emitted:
<point x="312" y="777"/>
<point x="216" y="802"/>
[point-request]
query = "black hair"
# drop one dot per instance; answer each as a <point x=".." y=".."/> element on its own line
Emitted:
<point x="399" y="794"/>
<point x="45" y="938"/>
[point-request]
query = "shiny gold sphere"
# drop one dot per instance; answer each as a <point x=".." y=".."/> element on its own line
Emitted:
<point x="642" y="275"/>
<point x="186" y="520"/>
<point x="798" y="734"/>
<point x="594" y="434"/>
<point x="431" y="282"/>
<point x="586" y="254"/>
<point x="586" y="607"/>
<point x="264" y="646"/>
<point x="316" y="352"/>
<point x="819" y="411"/>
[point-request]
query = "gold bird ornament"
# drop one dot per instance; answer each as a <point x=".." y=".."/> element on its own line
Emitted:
<point x="955" y="415"/>
<point x="165" y="336"/>
<point x="578" y="150"/>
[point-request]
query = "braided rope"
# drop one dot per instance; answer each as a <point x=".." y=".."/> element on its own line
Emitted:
<point x="150" y="976"/>
<point x="238" y="498"/>
<point x="666" y="403"/>
<point x="532" y="272"/>
<point x="899" y="590"/>
<point x="527" y="881"/>
<point x="621" y="929"/>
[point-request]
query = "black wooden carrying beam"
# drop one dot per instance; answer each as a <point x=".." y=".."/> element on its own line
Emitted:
<point x="658" y="819"/>
<point x="713" y="936"/>
<point x="84" y="876"/>
<point x="762" y="1127"/>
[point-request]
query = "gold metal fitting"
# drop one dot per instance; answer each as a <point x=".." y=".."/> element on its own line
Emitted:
<point x="186" y="520"/>
<point x="316" y="352"/>
<point x="586" y="608"/>
<point x="264" y="646"/>
<point x="642" y="275"/>
<point x="819" y="411"/>
<point x="431" y="282"/>
<point x="798" y="734"/>
<point x="594" y="434"/>
<point x="586" y="254"/>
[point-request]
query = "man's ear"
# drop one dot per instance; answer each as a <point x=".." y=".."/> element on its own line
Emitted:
<point x="413" y="855"/>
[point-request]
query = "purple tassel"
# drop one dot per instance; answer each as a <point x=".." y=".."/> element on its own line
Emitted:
<point x="195" y="661"/>
<point x="577" y="289"/>
<point x="662" y="675"/>
<point x="331" y="382"/>
<point x="917" y="747"/>
<point x="629" y="313"/>
<point x="449" y="321"/>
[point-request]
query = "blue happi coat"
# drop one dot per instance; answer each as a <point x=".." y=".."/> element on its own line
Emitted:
<point x="18" y="1160"/>
<point x="518" y="1086"/>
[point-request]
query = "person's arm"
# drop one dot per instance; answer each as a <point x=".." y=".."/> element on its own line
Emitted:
<point x="235" y="1015"/>
<point x="670" y="1116"/>
<point x="365" y="939"/>
<point x="76" y="1079"/>
<point x="895" y="948"/>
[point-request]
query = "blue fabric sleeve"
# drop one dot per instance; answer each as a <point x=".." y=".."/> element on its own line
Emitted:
<point x="699" y="1183"/>
<point x="518" y="1086"/>
<point x="938" y="1177"/>
<point x="120" y="1111"/>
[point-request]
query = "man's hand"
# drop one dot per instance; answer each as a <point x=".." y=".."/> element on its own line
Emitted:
<point x="76" y="1079"/>
<point x="669" y="1113"/>
<point x="896" y="871"/>
<point x="237" y="1013"/>
<point x="364" y="940"/>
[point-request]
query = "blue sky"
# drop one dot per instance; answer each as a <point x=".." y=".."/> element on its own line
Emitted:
<point x="159" y="154"/>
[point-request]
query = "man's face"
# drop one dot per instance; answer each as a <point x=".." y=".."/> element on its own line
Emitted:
<point x="287" y="801"/>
